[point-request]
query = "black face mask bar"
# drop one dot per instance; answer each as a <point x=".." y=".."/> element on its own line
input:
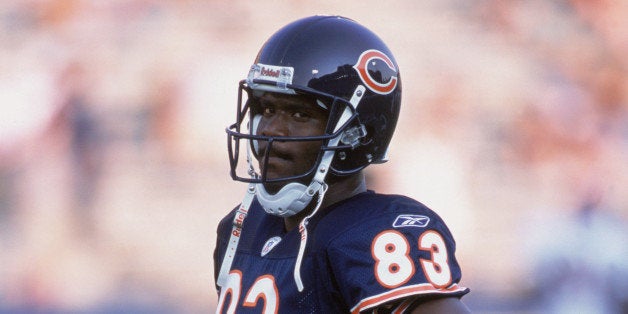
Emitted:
<point x="245" y="116"/>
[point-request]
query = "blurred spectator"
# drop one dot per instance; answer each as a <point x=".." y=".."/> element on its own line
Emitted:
<point x="580" y="260"/>
<point x="8" y="195"/>
<point x="77" y="121"/>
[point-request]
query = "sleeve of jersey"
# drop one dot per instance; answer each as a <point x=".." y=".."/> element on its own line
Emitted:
<point x="393" y="257"/>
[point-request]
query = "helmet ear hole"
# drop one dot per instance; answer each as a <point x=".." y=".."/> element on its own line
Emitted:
<point x="368" y="136"/>
<point x="354" y="136"/>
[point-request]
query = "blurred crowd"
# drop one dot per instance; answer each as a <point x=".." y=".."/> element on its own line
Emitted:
<point x="113" y="166"/>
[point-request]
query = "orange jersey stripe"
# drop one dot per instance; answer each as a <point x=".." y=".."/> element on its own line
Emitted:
<point x="403" y="292"/>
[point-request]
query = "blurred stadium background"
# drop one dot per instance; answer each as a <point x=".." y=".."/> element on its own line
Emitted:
<point x="113" y="165"/>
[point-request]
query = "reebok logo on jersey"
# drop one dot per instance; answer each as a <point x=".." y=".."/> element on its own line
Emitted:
<point x="411" y="221"/>
<point x="270" y="244"/>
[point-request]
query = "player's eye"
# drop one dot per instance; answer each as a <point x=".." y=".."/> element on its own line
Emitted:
<point x="267" y="110"/>
<point x="301" y="115"/>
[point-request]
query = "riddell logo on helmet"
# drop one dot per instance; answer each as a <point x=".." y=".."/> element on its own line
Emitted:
<point x="369" y="59"/>
<point x="269" y="72"/>
<point x="281" y="75"/>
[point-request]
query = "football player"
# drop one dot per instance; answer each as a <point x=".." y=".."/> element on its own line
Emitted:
<point x="320" y="103"/>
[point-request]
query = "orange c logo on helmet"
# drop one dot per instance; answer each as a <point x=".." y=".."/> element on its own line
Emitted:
<point x="362" y="67"/>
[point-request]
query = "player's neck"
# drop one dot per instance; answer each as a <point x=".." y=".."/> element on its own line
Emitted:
<point x="338" y="191"/>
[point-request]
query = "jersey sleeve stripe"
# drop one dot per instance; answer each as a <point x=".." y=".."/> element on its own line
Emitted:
<point x="402" y="292"/>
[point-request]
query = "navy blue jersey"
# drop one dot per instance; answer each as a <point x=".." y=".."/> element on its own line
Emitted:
<point x="361" y="253"/>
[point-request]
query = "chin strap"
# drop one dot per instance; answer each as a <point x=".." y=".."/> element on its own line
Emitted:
<point x="290" y="200"/>
<point x="236" y="231"/>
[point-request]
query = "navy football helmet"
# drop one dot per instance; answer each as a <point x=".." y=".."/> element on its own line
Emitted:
<point x="349" y="71"/>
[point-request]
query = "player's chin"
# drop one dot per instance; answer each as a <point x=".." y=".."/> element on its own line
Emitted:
<point x="276" y="168"/>
<point x="278" y="176"/>
<point x="273" y="187"/>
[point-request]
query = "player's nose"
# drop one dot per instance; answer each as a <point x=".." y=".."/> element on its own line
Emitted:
<point x="275" y="125"/>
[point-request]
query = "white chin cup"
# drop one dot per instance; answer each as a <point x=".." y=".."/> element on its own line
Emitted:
<point x="290" y="200"/>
